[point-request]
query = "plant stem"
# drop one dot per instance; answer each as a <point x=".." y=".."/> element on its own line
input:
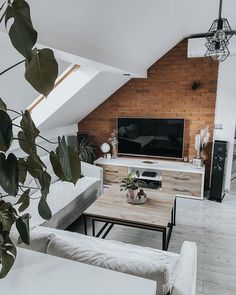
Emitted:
<point x="28" y="187"/>
<point x="32" y="132"/>
<point x="28" y="141"/>
<point x="13" y="111"/>
<point x="8" y="69"/>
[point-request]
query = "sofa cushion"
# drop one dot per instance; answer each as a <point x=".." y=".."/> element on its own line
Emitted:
<point x="66" y="201"/>
<point x="39" y="241"/>
<point x="135" y="260"/>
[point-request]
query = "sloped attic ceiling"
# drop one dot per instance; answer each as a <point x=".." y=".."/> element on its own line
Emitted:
<point x="15" y="90"/>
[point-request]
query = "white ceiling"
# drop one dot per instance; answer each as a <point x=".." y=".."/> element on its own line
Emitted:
<point x="129" y="35"/>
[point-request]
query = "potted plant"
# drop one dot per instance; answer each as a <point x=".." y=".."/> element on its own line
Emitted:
<point x="132" y="184"/>
<point x="86" y="151"/>
<point x="41" y="70"/>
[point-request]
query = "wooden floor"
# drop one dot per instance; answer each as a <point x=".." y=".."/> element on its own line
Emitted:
<point x="212" y="226"/>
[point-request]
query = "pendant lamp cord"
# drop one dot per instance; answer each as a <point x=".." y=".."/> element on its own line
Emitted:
<point x="220" y="9"/>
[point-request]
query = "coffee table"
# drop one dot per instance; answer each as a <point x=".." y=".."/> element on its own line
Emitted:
<point x="157" y="214"/>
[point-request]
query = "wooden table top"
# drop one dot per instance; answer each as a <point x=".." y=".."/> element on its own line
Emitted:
<point x="156" y="212"/>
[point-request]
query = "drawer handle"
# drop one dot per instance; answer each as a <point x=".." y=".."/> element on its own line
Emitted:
<point x="111" y="171"/>
<point x="181" y="190"/>
<point x="180" y="178"/>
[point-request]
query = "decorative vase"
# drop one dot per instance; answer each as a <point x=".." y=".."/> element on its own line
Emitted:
<point x="114" y="152"/>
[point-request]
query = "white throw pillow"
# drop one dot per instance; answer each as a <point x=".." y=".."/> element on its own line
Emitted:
<point x="148" y="263"/>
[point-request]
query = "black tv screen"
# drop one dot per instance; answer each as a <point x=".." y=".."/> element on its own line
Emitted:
<point x="151" y="137"/>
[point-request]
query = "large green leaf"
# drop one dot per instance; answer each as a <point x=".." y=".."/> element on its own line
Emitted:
<point x="56" y="165"/>
<point x="3" y="106"/>
<point x="9" y="174"/>
<point x="28" y="126"/>
<point x="75" y="165"/>
<point x="22" y="168"/>
<point x="29" y="147"/>
<point x="6" y="134"/>
<point x="74" y="162"/>
<point x="64" y="158"/>
<point x="24" y="200"/>
<point x="34" y="168"/>
<point x="7" y="254"/>
<point x="22" y="225"/>
<point x="42" y="70"/>
<point x="22" y="34"/>
<point x="26" y="145"/>
<point x="45" y="182"/>
<point x="44" y="210"/>
<point x="7" y="216"/>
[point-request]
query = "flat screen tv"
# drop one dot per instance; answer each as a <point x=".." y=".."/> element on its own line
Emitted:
<point x="151" y="137"/>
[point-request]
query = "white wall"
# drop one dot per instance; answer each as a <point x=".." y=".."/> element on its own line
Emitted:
<point x="226" y="109"/>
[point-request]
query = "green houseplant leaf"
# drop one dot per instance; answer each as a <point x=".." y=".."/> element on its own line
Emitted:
<point x="28" y="126"/>
<point x="45" y="181"/>
<point x="22" y="168"/>
<point x="75" y="165"/>
<point x="44" y="210"/>
<point x="7" y="216"/>
<point x="74" y="162"/>
<point x="34" y="168"/>
<point x="3" y="106"/>
<point x="24" y="200"/>
<point x="6" y="134"/>
<point x="9" y="175"/>
<point x="42" y="70"/>
<point x="7" y="254"/>
<point x="22" y="225"/>
<point x="29" y="147"/>
<point x="56" y="165"/>
<point x="64" y="158"/>
<point x="22" y="34"/>
<point x="26" y="145"/>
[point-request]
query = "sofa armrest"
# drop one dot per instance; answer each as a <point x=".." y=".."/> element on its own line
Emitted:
<point x="91" y="171"/>
<point x="185" y="283"/>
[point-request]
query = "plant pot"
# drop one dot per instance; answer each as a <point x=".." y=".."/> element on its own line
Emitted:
<point x="198" y="162"/>
<point x="133" y="197"/>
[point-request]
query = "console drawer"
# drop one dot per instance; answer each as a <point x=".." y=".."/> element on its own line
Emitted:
<point x="113" y="174"/>
<point x="182" y="183"/>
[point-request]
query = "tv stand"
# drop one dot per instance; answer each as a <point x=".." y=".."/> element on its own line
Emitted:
<point x="172" y="177"/>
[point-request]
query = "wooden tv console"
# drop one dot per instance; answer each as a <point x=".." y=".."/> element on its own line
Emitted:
<point x="180" y="178"/>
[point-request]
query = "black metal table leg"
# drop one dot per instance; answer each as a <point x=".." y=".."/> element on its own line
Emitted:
<point x="93" y="228"/>
<point x="85" y="225"/>
<point x="164" y="240"/>
<point x="108" y="230"/>
<point x="174" y="220"/>
<point x="102" y="229"/>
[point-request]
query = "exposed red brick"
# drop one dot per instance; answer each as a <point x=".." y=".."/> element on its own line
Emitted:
<point x="166" y="93"/>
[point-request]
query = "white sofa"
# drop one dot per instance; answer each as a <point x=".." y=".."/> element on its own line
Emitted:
<point x="174" y="274"/>
<point x="66" y="201"/>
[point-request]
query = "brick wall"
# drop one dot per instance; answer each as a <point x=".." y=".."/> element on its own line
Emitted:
<point x="167" y="93"/>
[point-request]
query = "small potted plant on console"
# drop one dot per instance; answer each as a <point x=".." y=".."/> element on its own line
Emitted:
<point x="132" y="184"/>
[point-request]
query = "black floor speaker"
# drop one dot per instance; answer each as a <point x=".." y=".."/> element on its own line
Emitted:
<point x="217" y="191"/>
